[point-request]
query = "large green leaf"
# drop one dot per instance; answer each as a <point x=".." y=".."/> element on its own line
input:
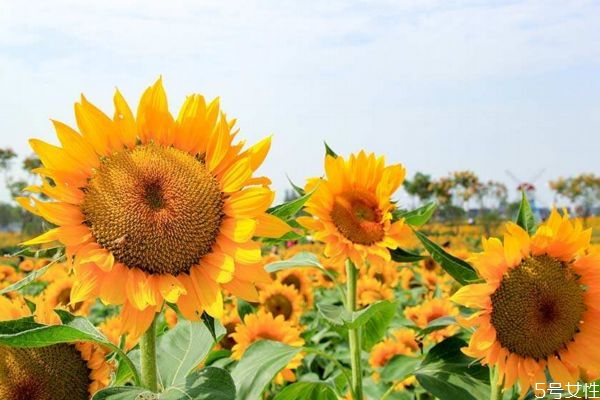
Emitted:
<point x="419" y="216"/>
<point x="525" y="217"/>
<point x="335" y="315"/>
<point x="457" y="268"/>
<point x="436" y="325"/>
<point x="182" y="348"/>
<point x="400" y="255"/>
<point x="447" y="373"/>
<point x="307" y="391"/>
<point x="259" y="365"/>
<point x="125" y="393"/>
<point x="399" y="368"/>
<point x="32" y="276"/>
<point x="206" y="384"/>
<point x="375" y="326"/>
<point x="303" y="259"/>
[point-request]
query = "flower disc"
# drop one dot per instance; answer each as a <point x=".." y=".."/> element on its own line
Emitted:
<point x="55" y="372"/>
<point x="155" y="208"/>
<point x="357" y="216"/>
<point x="537" y="308"/>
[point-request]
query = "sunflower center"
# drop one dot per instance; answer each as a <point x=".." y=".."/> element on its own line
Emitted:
<point x="537" y="308"/>
<point x="292" y="280"/>
<point x="357" y="217"/>
<point x="279" y="304"/>
<point x="155" y="208"/>
<point x="43" y="373"/>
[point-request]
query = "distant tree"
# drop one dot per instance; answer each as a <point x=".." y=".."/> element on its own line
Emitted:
<point x="583" y="191"/>
<point x="420" y="186"/>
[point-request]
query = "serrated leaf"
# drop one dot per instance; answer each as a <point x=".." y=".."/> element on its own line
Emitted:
<point x="336" y="315"/>
<point x="125" y="393"/>
<point x="182" y="348"/>
<point x="307" y="391"/>
<point x="209" y="383"/>
<point x="375" y="327"/>
<point x="289" y="209"/>
<point x="447" y="373"/>
<point x="401" y="255"/>
<point x="418" y="217"/>
<point x="399" y="368"/>
<point x="259" y="365"/>
<point x="525" y="217"/>
<point x="329" y="151"/>
<point x="460" y="270"/>
<point x="303" y="259"/>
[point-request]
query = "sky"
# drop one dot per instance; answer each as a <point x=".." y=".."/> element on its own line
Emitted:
<point x="439" y="86"/>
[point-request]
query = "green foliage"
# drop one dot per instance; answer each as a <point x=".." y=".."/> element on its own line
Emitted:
<point x="307" y="391"/>
<point x="259" y="365"/>
<point x="457" y="268"/>
<point x="401" y="255"/>
<point x="417" y="217"/>
<point x="525" y="217"/>
<point x="449" y="374"/>
<point x="420" y="186"/>
<point x="329" y="151"/>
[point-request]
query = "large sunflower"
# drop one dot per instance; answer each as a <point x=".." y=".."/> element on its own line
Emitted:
<point x="351" y="208"/>
<point x="539" y="307"/>
<point x="152" y="208"/>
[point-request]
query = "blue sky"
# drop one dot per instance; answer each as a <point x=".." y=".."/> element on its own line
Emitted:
<point x="438" y="86"/>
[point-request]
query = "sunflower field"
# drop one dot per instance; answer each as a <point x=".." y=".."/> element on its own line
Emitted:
<point x="166" y="272"/>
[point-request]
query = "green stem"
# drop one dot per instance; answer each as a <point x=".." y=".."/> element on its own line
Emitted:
<point x="354" y="333"/>
<point x="148" y="358"/>
<point x="496" y="388"/>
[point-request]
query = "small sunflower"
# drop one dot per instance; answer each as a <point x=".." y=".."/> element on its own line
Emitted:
<point x="263" y="325"/>
<point x="58" y="294"/>
<point x="351" y="209"/>
<point x="154" y="208"/>
<point x="280" y="299"/>
<point x="402" y="342"/>
<point x="369" y="290"/>
<point x="539" y="308"/>
<point x="430" y="310"/>
<point x="58" y="372"/>
<point x="299" y="279"/>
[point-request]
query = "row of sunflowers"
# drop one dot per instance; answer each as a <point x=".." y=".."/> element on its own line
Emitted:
<point x="168" y="274"/>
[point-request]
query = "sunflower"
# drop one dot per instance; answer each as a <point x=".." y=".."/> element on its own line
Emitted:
<point x="153" y="208"/>
<point x="62" y="371"/>
<point x="280" y="299"/>
<point x="539" y="307"/>
<point x="430" y="310"/>
<point x="58" y="294"/>
<point x="369" y="290"/>
<point x="351" y="209"/>
<point x="386" y="273"/>
<point x="299" y="279"/>
<point x="263" y="325"/>
<point x="402" y="342"/>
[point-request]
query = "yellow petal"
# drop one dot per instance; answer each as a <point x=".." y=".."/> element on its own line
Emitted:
<point x="124" y="122"/>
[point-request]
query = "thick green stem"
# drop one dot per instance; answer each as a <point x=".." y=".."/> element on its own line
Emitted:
<point x="148" y="358"/>
<point x="496" y="388"/>
<point x="354" y="333"/>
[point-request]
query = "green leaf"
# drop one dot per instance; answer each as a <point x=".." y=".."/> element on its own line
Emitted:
<point x="296" y="188"/>
<point x="329" y="151"/>
<point x="259" y="365"/>
<point x="336" y="315"/>
<point x="525" y="217"/>
<point x="303" y="259"/>
<point x="32" y="276"/>
<point x="289" y="209"/>
<point x="244" y="308"/>
<point x="457" y="268"/>
<point x="401" y="255"/>
<point x="209" y="383"/>
<point x="182" y="348"/>
<point x="125" y="393"/>
<point x="375" y="327"/>
<point x="437" y="324"/>
<point x="307" y="391"/>
<point x="399" y="368"/>
<point x="209" y="321"/>
<point x="419" y="216"/>
<point x="377" y="309"/>
<point x="449" y="374"/>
